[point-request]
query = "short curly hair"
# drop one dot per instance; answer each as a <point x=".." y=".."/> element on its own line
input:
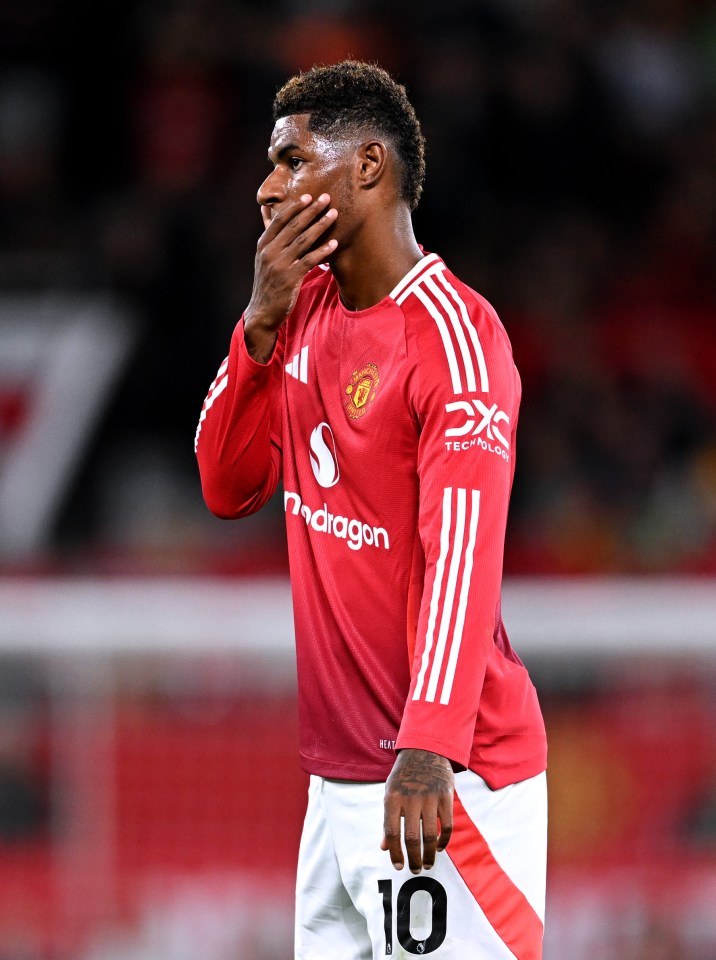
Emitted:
<point x="354" y="96"/>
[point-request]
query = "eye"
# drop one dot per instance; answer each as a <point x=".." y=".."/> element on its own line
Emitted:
<point x="296" y="163"/>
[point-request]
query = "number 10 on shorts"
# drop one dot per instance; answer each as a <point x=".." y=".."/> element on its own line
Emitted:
<point x="406" y="940"/>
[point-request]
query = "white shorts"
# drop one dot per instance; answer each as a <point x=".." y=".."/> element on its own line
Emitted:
<point x="483" y="899"/>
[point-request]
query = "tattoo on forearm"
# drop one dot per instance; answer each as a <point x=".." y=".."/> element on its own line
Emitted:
<point x="422" y="773"/>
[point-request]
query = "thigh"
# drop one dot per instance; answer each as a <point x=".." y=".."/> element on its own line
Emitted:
<point x="483" y="899"/>
<point x="327" y="924"/>
<point x="499" y="851"/>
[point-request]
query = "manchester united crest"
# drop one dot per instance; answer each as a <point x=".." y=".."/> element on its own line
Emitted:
<point x="360" y="392"/>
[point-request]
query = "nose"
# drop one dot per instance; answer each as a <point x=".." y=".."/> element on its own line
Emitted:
<point x="273" y="189"/>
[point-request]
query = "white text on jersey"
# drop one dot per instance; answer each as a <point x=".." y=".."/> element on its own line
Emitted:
<point x="354" y="532"/>
<point x="476" y="418"/>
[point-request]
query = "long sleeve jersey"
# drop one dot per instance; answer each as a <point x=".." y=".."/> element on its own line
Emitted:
<point x="394" y="431"/>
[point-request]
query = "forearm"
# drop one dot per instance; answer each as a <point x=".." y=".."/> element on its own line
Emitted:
<point x="455" y="635"/>
<point x="238" y="444"/>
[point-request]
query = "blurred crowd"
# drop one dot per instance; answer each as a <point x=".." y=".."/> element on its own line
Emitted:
<point x="571" y="180"/>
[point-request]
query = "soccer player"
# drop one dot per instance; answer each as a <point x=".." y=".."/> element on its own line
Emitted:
<point x="382" y="389"/>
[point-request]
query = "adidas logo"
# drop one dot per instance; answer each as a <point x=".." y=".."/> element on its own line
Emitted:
<point x="298" y="367"/>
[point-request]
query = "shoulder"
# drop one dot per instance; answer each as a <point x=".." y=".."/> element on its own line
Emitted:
<point x="454" y="332"/>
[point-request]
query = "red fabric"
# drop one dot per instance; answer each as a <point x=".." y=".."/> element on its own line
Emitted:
<point x="394" y="428"/>
<point x="504" y="905"/>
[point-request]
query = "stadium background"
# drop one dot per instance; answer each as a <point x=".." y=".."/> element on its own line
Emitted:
<point x="150" y="798"/>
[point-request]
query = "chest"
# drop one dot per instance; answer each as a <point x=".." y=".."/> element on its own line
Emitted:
<point x="346" y="404"/>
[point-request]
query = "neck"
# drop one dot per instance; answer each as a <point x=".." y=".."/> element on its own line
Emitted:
<point x="378" y="256"/>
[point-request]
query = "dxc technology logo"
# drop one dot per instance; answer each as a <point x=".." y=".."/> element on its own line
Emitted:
<point x="477" y="418"/>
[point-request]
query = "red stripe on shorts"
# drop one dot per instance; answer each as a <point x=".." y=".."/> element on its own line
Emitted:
<point x="505" y="907"/>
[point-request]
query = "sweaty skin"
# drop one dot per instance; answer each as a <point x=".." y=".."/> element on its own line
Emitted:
<point x="370" y="249"/>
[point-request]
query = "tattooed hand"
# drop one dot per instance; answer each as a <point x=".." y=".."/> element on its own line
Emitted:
<point x="420" y="790"/>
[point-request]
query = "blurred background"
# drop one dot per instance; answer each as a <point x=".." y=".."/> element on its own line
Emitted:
<point x="150" y="795"/>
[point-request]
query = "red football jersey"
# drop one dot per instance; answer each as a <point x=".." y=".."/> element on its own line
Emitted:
<point x="394" y="429"/>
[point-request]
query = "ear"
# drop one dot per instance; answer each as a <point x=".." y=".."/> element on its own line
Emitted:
<point x="372" y="163"/>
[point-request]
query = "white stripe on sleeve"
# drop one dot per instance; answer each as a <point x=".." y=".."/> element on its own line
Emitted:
<point x="448" y="602"/>
<point x="477" y="346"/>
<point x="445" y="337"/>
<point x="215" y="390"/>
<point x="447" y="306"/>
<point x="462" y="607"/>
<point x="437" y="588"/>
<point x="421" y="265"/>
<point x="457" y="551"/>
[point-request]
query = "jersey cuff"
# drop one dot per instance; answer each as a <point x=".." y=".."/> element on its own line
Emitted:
<point x="434" y="745"/>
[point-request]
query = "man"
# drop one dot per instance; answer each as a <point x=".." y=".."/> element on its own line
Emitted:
<point x="383" y="389"/>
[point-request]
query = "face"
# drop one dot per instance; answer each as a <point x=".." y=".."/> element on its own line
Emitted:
<point x="306" y="162"/>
